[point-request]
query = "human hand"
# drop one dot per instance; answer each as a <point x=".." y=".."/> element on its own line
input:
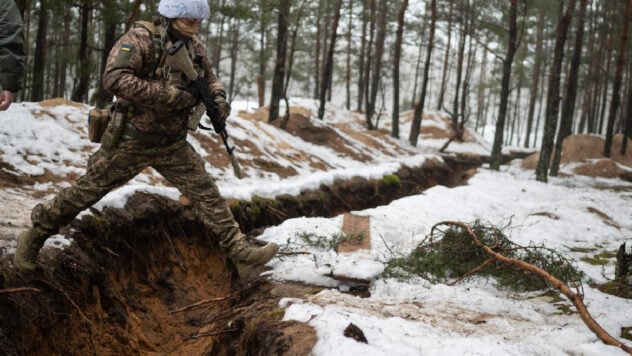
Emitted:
<point x="223" y="107"/>
<point x="180" y="98"/>
<point x="6" y="98"/>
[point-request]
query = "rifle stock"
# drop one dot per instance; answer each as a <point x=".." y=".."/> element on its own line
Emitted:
<point x="182" y="61"/>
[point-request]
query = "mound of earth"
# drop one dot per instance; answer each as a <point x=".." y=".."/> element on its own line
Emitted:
<point x="585" y="155"/>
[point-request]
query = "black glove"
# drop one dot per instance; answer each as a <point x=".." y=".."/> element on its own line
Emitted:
<point x="223" y="107"/>
<point x="193" y="89"/>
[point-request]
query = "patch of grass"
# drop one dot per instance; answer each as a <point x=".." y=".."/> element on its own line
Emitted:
<point x="600" y="259"/>
<point x="582" y="249"/>
<point x="323" y="242"/>
<point x="621" y="290"/>
<point x="392" y="180"/>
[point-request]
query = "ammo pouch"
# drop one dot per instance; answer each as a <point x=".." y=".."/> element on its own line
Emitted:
<point x="98" y="119"/>
<point x="115" y="126"/>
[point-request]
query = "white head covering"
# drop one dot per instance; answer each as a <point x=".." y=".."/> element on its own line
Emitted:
<point x="174" y="9"/>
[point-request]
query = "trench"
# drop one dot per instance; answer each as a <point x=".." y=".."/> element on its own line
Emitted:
<point x="149" y="279"/>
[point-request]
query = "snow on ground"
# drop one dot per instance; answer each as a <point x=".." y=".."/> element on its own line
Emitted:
<point x="412" y="317"/>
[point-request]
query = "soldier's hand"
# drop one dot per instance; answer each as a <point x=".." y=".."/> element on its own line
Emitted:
<point x="178" y="98"/>
<point x="193" y="89"/>
<point x="6" y="98"/>
<point x="223" y="107"/>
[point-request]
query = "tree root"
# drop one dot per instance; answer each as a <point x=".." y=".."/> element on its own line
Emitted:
<point x="18" y="290"/>
<point x="575" y="298"/>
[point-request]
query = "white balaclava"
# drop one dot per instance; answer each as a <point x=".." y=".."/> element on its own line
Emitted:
<point x="174" y="9"/>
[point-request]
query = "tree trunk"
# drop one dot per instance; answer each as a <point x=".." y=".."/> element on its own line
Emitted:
<point x="397" y="52"/>
<point x="553" y="93"/>
<point x="279" y="68"/>
<point x="378" y="54"/>
<point x="83" y="70"/>
<point x="459" y="69"/>
<point x="369" y="61"/>
<point x="348" y="64"/>
<point x="290" y="59"/>
<point x="568" y="107"/>
<point x="329" y="63"/>
<point x="133" y="17"/>
<point x="40" y="55"/>
<point x="496" y="155"/>
<point x="234" y="52"/>
<point x="219" y="40"/>
<point x="110" y="21"/>
<point x="261" y="77"/>
<point x="535" y="76"/>
<point x="316" y="57"/>
<point x="361" y="58"/>
<point x="480" y="94"/>
<point x="627" y="132"/>
<point x="446" y="67"/>
<point x="417" y="115"/>
<point x="616" y="87"/>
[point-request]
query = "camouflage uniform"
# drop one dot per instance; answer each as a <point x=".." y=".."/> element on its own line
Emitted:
<point x="11" y="47"/>
<point x="155" y="136"/>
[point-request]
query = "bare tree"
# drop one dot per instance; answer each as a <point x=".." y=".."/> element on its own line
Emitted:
<point x="616" y="87"/>
<point x="512" y="46"/>
<point x="329" y="63"/>
<point x="378" y="54"/>
<point x="41" y="54"/>
<point x="446" y="58"/>
<point x="535" y="76"/>
<point x="397" y="53"/>
<point x="419" y="106"/>
<point x="568" y="107"/>
<point x="279" y="68"/>
<point x="553" y="92"/>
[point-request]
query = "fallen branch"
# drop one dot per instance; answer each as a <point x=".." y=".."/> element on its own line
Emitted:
<point x="19" y="290"/>
<point x="575" y="298"/>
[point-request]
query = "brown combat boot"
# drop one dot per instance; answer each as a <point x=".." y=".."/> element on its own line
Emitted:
<point x="29" y="244"/>
<point x="246" y="257"/>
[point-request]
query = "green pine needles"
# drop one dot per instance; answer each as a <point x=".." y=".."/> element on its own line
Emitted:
<point x="450" y="255"/>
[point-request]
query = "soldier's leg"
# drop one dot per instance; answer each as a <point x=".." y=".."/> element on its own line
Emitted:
<point x="105" y="171"/>
<point x="185" y="170"/>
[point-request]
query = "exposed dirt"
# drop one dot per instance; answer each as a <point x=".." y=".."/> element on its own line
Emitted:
<point x="164" y="289"/>
<point x="587" y="151"/>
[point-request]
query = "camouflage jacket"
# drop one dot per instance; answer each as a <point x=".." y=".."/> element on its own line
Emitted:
<point x="159" y="106"/>
<point x="11" y="47"/>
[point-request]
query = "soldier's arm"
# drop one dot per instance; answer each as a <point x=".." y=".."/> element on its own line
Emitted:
<point x="11" y="48"/>
<point x="127" y="71"/>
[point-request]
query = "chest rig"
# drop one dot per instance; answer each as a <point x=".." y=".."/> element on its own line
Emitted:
<point x="166" y="72"/>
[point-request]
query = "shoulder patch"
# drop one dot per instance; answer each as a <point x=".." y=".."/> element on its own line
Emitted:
<point x="122" y="58"/>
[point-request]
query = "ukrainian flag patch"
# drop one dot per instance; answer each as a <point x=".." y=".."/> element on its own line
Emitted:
<point x="126" y="47"/>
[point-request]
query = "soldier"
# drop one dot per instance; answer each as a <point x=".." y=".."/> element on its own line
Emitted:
<point x="149" y="128"/>
<point x="11" y="52"/>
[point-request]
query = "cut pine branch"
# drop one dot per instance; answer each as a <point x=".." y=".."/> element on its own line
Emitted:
<point x="575" y="298"/>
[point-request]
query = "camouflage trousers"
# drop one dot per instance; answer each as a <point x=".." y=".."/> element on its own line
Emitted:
<point x="108" y="169"/>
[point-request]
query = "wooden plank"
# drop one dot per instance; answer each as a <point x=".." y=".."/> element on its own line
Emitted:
<point x="357" y="228"/>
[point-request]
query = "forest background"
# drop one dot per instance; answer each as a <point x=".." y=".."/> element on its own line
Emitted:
<point x="533" y="71"/>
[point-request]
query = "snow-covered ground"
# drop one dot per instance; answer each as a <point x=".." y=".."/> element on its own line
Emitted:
<point x="413" y="317"/>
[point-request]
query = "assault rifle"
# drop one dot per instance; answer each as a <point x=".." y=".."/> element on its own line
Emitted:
<point x="181" y="60"/>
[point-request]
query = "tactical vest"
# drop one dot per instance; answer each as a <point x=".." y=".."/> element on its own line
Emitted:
<point x="164" y="72"/>
<point x="167" y="74"/>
